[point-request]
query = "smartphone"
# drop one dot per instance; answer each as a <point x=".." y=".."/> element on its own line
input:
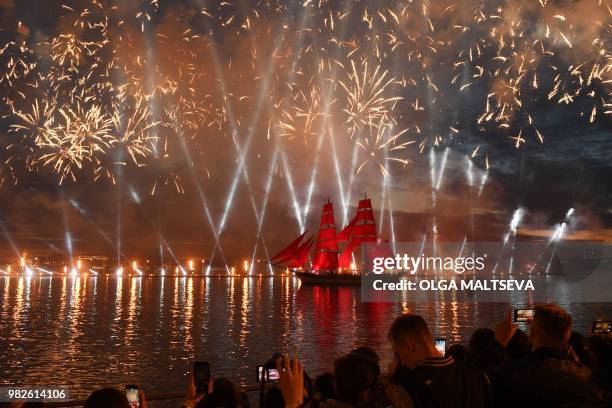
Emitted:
<point x="440" y="345"/>
<point x="268" y="375"/>
<point x="602" y="327"/>
<point x="201" y="376"/>
<point x="523" y="315"/>
<point x="133" y="396"/>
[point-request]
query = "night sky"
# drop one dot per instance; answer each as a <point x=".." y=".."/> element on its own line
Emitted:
<point x="183" y="123"/>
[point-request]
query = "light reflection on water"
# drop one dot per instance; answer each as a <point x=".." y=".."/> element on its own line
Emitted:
<point x="92" y="332"/>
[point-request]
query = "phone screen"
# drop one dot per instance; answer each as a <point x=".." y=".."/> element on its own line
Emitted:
<point x="440" y="345"/>
<point x="602" y="326"/>
<point x="523" y="315"/>
<point x="271" y="374"/>
<point x="131" y="392"/>
<point x="201" y="376"/>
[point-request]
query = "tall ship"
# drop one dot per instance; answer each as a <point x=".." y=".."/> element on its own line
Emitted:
<point x="336" y="258"/>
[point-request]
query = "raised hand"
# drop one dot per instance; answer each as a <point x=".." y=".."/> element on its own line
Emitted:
<point x="505" y="329"/>
<point x="191" y="397"/>
<point x="291" y="381"/>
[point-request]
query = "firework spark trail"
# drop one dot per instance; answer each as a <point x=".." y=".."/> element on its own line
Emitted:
<point x="370" y="112"/>
<point x="553" y="242"/>
<point x="434" y="226"/>
<point x="378" y="144"/>
<point x="510" y="236"/>
<point x="521" y="55"/>
<point x="557" y="236"/>
<point x="442" y="168"/>
<point x="76" y="65"/>
<point x="67" y="137"/>
<point x="496" y="49"/>
<point x="367" y="104"/>
<point x="483" y="182"/>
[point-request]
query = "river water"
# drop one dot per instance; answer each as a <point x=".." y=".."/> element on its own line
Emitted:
<point x="87" y="332"/>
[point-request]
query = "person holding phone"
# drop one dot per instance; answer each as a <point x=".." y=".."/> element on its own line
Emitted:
<point x="430" y="378"/>
<point x="201" y="376"/>
<point x="550" y="375"/>
<point x="199" y="384"/>
<point x="440" y="345"/>
<point x="191" y="396"/>
<point x="290" y="381"/>
<point x="266" y="374"/>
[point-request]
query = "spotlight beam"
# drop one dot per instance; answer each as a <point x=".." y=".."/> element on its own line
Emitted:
<point x="296" y="204"/>
<point x="88" y="219"/>
<point x="201" y="195"/>
<point x="328" y="99"/>
<point x="310" y="190"/>
<point x="263" y="212"/>
<point x="313" y="176"/>
<point x="241" y="151"/>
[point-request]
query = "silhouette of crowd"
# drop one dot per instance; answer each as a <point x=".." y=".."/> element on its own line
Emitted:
<point x="548" y="366"/>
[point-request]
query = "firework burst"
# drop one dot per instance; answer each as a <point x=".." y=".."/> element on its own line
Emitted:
<point x="117" y="86"/>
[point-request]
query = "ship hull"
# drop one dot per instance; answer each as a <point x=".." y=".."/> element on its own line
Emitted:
<point x="309" y="278"/>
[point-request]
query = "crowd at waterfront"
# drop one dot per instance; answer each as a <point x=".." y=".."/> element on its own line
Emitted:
<point x="550" y="365"/>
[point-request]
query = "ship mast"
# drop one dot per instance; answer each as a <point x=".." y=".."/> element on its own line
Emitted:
<point x="361" y="229"/>
<point x="326" y="250"/>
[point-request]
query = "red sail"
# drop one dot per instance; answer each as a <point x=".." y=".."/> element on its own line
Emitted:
<point x="326" y="253"/>
<point x="345" y="234"/>
<point x="365" y="227"/>
<point x="327" y="219"/>
<point x="362" y="228"/>
<point x="328" y="208"/>
<point x="346" y="257"/>
<point x="366" y="203"/>
<point x="365" y="215"/>
<point x="325" y="261"/>
<point x="289" y="251"/>
<point x="284" y="260"/>
<point x="327" y="237"/>
<point x="364" y="210"/>
<point x="302" y="254"/>
<point x="363" y="233"/>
